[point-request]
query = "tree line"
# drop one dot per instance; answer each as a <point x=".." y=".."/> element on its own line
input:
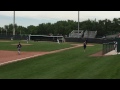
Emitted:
<point x="103" y="27"/>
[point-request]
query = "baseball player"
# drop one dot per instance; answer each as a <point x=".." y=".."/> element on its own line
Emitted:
<point x="84" y="45"/>
<point x="19" y="48"/>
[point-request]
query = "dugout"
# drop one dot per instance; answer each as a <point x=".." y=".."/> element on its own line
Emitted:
<point x="107" y="47"/>
<point x="118" y="44"/>
<point x="46" y="38"/>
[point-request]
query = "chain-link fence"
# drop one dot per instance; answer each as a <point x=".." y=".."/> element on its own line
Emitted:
<point x="107" y="47"/>
<point x="15" y="37"/>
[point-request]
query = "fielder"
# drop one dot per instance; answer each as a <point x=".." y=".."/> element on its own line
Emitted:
<point x="19" y="48"/>
<point x="27" y="40"/>
<point x="58" y="41"/>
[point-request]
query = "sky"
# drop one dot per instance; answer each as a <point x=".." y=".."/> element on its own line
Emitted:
<point x="26" y="18"/>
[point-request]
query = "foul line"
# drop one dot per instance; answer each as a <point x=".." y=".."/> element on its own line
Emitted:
<point x="21" y="59"/>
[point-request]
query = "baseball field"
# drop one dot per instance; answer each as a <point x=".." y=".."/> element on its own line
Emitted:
<point x="50" y="60"/>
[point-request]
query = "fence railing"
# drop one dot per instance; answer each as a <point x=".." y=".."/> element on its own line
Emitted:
<point x="107" y="47"/>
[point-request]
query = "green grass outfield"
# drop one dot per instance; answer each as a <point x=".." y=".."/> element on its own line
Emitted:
<point x="35" y="46"/>
<point x="69" y="64"/>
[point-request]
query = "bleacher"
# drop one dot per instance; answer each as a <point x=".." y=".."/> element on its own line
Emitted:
<point x="85" y="34"/>
<point x="111" y="36"/>
<point x="75" y="34"/>
<point x="90" y="34"/>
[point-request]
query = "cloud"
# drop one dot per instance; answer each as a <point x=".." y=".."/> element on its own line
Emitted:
<point x="47" y="14"/>
<point x="42" y="14"/>
<point x="100" y="14"/>
<point x="37" y="17"/>
<point x="64" y="15"/>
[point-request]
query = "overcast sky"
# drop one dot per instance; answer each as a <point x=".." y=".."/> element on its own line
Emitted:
<point x="26" y="18"/>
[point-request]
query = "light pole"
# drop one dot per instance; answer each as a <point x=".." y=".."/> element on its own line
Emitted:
<point x="5" y="28"/>
<point x="78" y="24"/>
<point x="20" y="31"/>
<point x="13" y="23"/>
<point x="6" y="32"/>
